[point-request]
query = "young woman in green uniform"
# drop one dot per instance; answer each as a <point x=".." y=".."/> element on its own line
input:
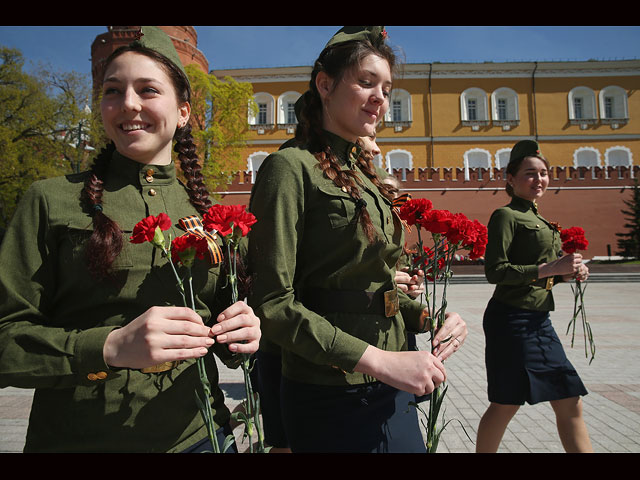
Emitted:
<point x="323" y="255"/>
<point x="93" y="322"/>
<point x="524" y="358"/>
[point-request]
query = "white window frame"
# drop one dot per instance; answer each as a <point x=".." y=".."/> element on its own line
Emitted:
<point x="254" y="161"/>
<point x="482" y="106"/>
<point x="621" y="106"/>
<point x="629" y="159"/>
<point x="466" y="159"/>
<point x="398" y="154"/>
<point x="267" y="99"/>
<point x="283" y="101"/>
<point x="404" y="97"/>
<point x="503" y="151"/>
<point x="590" y="114"/>
<point x="510" y="97"/>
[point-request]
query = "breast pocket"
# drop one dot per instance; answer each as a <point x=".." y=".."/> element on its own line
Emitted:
<point x="337" y="205"/>
<point x="75" y="246"/>
<point x="536" y="236"/>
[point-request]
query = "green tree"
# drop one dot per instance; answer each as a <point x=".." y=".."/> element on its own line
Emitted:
<point x="39" y="118"/>
<point x="629" y="242"/>
<point x="219" y="113"/>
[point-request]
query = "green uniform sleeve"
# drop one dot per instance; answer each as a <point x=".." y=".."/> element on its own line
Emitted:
<point x="278" y="202"/>
<point x="498" y="268"/>
<point x="411" y="311"/>
<point x="33" y="352"/>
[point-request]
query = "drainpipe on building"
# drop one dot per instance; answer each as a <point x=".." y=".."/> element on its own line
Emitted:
<point x="535" y="112"/>
<point x="430" y="119"/>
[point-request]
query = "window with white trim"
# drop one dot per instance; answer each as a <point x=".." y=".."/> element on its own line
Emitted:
<point x="476" y="158"/>
<point x="582" y="107"/>
<point x="254" y="162"/>
<point x="287" y="111"/>
<point x="262" y="119"/>
<point x="614" y="108"/>
<point x="619" y="157"/>
<point x="504" y="103"/>
<point x="399" y="160"/>
<point x="474" y="108"/>
<point x="502" y="157"/>
<point x="399" y="114"/>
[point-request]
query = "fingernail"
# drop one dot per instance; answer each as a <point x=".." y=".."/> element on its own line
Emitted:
<point x="221" y="338"/>
<point x="216" y="329"/>
<point x="209" y="341"/>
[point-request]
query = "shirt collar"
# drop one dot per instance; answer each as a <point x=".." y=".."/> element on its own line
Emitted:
<point x="123" y="171"/>
<point x="346" y="152"/>
<point x="524" y="204"/>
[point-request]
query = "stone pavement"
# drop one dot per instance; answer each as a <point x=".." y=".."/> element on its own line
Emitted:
<point x="611" y="410"/>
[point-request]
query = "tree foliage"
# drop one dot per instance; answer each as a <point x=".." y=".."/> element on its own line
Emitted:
<point x="629" y="242"/>
<point x="42" y="116"/>
<point x="219" y="115"/>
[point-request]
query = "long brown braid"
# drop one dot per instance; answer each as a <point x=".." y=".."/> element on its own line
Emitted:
<point x="336" y="61"/>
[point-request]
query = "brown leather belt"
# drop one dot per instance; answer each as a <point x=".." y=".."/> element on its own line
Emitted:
<point x="383" y="302"/>
<point x="161" y="367"/>
<point x="546" y="283"/>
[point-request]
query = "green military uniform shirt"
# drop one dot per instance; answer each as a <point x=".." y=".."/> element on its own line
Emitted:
<point x="307" y="237"/>
<point x="54" y="318"/>
<point x="519" y="240"/>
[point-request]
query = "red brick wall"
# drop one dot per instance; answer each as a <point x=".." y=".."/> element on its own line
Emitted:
<point x="575" y="197"/>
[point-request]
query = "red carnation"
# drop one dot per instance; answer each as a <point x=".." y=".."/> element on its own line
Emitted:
<point x="479" y="246"/>
<point x="146" y="229"/>
<point x="226" y="218"/>
<point x="187" y="248"/>
<point x="414" y="209"/>
<point x="573" y="239"/>
<point x="436" y="221"/>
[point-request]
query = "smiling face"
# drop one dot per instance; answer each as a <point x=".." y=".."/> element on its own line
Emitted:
<point x="140" y="110"/>
<point x="531" y="180"/>
<point x="353" y="105"/>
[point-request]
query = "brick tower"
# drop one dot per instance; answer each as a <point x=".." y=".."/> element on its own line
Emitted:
<point x="184" y="38"/>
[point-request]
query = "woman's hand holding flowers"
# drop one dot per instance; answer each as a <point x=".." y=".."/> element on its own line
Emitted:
<point x="450" y="337"/>
<point x="161" y="334"/>
<point x="239" y="328"/>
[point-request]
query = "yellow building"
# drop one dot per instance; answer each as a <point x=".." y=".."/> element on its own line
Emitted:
<point x="469" y="115"/>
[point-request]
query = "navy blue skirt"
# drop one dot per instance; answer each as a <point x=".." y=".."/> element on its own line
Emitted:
<point x="371" y="418"/>
<point x="524" y="358"/>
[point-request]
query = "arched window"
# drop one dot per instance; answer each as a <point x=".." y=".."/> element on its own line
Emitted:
<point x="474" y="109"/>
<point x="262" y="119"/>
<point x="502" y="157"/>
<point x="476" y="158"/>
<point x="582" y="107"/>
<point x="286" y="111"/>
<point x="504" y="108"/>
<point x="399" y="159"/>
<point x="618" y="157"/>
<point x="614" y="109"/>
<point x="586" y="157"/>
<point x="399" y="114"/>
<point x="253" y="164"/>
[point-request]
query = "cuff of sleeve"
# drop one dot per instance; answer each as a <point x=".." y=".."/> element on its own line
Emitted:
<point x="89" y="359"/>
<point x="530" y="272"/>
<point x="411" y="313"/>
<point x="347" y="351"/>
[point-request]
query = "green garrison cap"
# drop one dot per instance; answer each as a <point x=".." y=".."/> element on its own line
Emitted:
<point x="154" y="38"/>
<point x="376" y="35"/>
<point x="525" y="148"/>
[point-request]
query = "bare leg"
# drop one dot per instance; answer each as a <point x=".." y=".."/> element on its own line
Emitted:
<point x="493" y="425"/>
<point x="571" y="427"/>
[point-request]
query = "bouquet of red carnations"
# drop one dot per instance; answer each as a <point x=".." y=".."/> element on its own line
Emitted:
<point x="450" y="232"/>
<point x="573" y="239"/>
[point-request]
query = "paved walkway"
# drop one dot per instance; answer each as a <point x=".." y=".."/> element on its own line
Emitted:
<point x="611" y="410"/>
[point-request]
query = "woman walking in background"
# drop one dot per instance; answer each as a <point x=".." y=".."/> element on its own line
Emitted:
<point x="525" y="360"/>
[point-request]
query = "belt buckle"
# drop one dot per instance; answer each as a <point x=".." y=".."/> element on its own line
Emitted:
<point x="161" y="367"/>
<point x="549" y="284"/>
<point x="391" y="303"/>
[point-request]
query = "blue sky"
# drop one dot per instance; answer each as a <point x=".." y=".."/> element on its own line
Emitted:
<point x="69" y="48"/>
